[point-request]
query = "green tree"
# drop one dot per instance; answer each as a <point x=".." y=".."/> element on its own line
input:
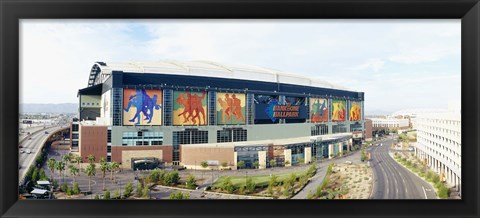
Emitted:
<point x="241" y="164"/>
<point x="78" y="159"/>
<point x="273" y="180"/>
<point x="103" y="168"/>
<point x="91" y="158"/>
<point x="73" y="171"/>
<point x="106" y="196"/>
<point x="42" y="174"/>
<point x="66" y="158"/>
<point x="116" y="194"/>
<point x="128" y="190"/>
<point x="60" y="167"/>
<point x="90" y="171"/>
<point x="272" y="163"/>
<point x="204" y="164"/>
<point x="114" y="167"/>
<point x="51" y="166"/>
<point x="178" y="196"/>
<point x="35" y="175"/>
<point x="69" y="191"/>
<point x="64" y="187"/>
<point x="191" y="182"/>
<point x="171" y="178"/>
<point x="256" y="164"/>
<point x="97" y="197"/>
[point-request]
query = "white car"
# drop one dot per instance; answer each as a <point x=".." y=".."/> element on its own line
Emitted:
<point x="28" y="151"/>
<point x="21" y="151"/>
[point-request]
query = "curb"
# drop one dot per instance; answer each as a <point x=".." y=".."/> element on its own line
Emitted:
<point x="433" y="186"/>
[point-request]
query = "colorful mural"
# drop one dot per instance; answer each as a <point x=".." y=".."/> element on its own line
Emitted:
<point x="318" y="110"/>
<point x="142" y="107"/>
<point x="230" y="108"/>
<point x="355" y="111"/>
<point x="338" y="110"/>
<point x="189" y="108"/>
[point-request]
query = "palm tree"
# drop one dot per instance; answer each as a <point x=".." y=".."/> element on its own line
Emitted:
<point x="103" y="167"/>
<point x="90" y="171"/>
<point x="91" y="158"/>
<point x="60" y="166"/>
<point x="66" y="158"/>
<point x="78" y="159"/>
<point x="115" y="166"/>
<point x="51" y="165"/>
<point x="73" y="171"/>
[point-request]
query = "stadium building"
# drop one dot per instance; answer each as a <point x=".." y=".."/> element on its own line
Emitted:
<point x="183" y="113"/>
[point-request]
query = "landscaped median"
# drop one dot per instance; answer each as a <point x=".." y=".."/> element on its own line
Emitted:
<point x="275" y="185"/>
<point x="345" y="181"/>
<point x="415" y="166"/>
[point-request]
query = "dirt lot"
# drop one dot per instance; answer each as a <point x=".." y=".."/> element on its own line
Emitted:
<point x="351" y="181"/>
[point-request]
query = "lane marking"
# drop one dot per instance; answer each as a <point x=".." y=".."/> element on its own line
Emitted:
<point x="424" y="192"/>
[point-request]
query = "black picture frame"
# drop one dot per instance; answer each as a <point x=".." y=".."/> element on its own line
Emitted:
<point x="13" y="10"/>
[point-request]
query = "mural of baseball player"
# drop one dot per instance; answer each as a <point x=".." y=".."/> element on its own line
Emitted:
<point x="142" y="107"/>
<point x="231" y="108"/>
<point x="190" y="108"/>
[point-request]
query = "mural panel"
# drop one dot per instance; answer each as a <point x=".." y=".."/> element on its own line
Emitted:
<point x="355" y="111"/>
<point x="230" y="108"/>
<point x="338" y="110"/>
<point x="189" y="108"/>
<point x="318" y="110"/>
<point x="142" y="107"/>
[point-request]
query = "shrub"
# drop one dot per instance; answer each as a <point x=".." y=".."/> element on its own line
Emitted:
<point x="227" y="185"/>
<point x="241" y="190"/>
<point x="436" y="179"/>
<point x="145" y="192"/>
<point x="171" y="178"/>
<point x="64" y="187"/>
<point x="116" y="194"/>
<point x="312" y="170"/>
<point x="128" y="189"/>
<point x="107" y="195"/>
<point x="191" y="182"/>
<point x="76" y="188"/>
<point x="443" y="192"/>
<point x="309" y="195"/>
<point x="273" y="181"/>
<point x="69" y="191"/>
<point x="250" y="185"/>
<point x="179" y="196"/>
<point x="97" y="197"/>
<point x="138" y="192"/>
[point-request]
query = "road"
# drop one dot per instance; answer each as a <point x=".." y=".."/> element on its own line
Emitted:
<point x="393" y="181"/>
<point x="34" y="144"/>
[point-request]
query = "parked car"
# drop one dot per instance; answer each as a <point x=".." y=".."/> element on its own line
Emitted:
<point x="28" y="151"/>
<point x="21" y="151"/>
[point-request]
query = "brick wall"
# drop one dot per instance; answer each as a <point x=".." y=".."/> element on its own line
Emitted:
<point x="93" y="140"/>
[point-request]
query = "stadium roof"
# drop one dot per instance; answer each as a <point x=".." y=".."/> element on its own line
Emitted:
<point x="101" y="71"/>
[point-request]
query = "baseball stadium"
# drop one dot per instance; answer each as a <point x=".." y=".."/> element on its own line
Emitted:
<point x="188" y="112"/>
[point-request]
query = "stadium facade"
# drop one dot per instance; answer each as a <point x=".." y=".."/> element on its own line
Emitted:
<point x="183" y="113"/>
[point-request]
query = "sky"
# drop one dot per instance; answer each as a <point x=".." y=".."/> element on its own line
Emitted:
<point x="398" y="64"/>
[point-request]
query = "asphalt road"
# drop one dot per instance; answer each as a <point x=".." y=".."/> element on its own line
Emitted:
<point x="393" y="181"/>
<point x="34" y="144"/>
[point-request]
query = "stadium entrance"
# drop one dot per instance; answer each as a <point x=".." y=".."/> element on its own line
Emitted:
<point x="147" y="163"/>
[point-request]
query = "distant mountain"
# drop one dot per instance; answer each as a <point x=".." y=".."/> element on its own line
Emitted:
<point x="49" y="108"/>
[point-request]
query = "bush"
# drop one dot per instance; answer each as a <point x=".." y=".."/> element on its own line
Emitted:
<point x="312" y="170"/>
<point x="76" y="188"/>
<point x="171" y="178"/>
<point x="116" y="194"/>
<point x="179" y="196"/>
<point x="69" y="191"/>
<point x="250" y="185"/>
<point x="64" y="187"/>
<point x="97" y="197"/>
<point x="227" y="185"/>
<point x="443" y="192"/>
<point x="309" y="195"/>
<point x="436" y="179"/>
<point x="191" y="182"/>
<point x="138" y="192"/>
<point x="145" y="192"/>
<point x="128" y="190"/>
<point x="107" y="195"/>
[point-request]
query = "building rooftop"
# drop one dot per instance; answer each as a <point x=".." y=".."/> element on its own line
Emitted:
<point x="101" y="71"/>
